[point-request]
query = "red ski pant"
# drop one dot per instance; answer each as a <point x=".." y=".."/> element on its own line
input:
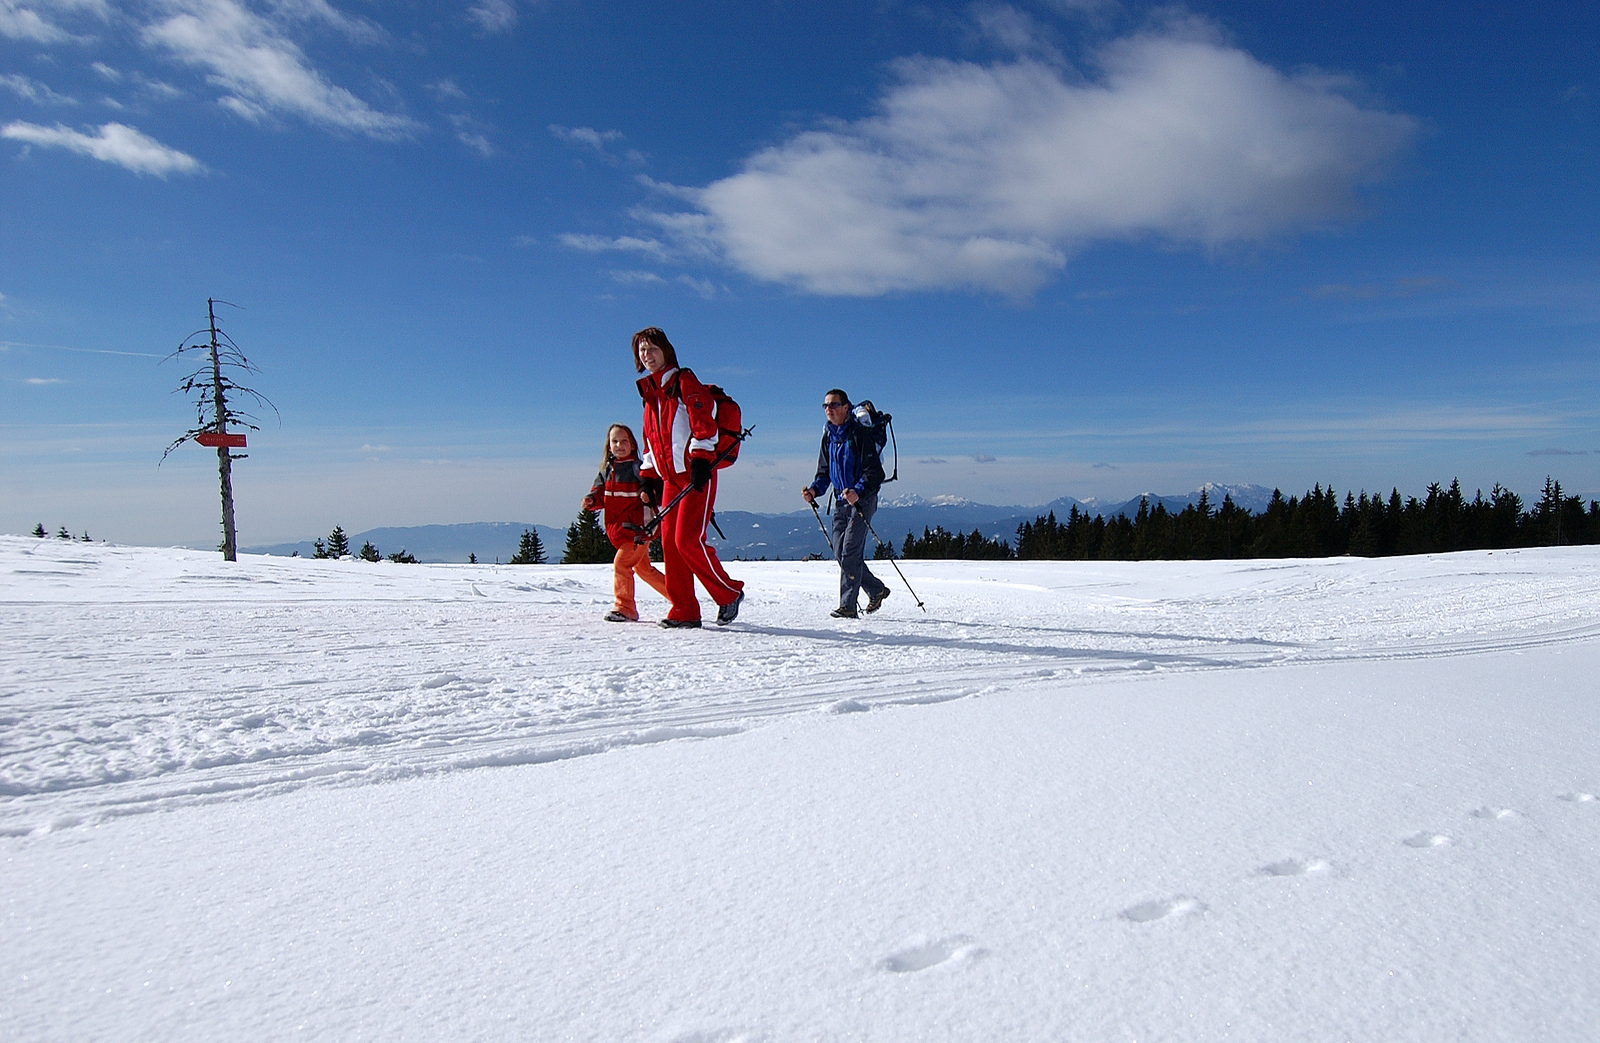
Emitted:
<point x="631" y="559"/>
<point x="685" y="553"/>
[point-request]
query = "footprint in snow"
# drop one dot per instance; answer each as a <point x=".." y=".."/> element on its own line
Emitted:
<point x="920" y="955"/>
<point x="1493" y="814"/>
<point x="1426" y="840"/>
<point x="1294" y="867"/>
<point x="1577" y="798"/>
<point x="1161" y="909"/>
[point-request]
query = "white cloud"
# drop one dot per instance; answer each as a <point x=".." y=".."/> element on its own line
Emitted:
<point x="447" y="90"/>
<point x="114" y="143"/>
<point x="989" y="177"/>
<point x="1015" y="30"/>
<point x="635" y="277"/>
<point x="34" y="91"/>
<point x="623" y="243"/>
<point x="472" y="134"/>
<point x="595" y="139"/>
<point x="598" y="140"/>
<point x="21" y="20"/>
<point x="264" y="70"/>
<point x="704" y="287"/>
<point x="357" y="29"/>
<point x="477" y="143"/>
<point x="23" y="23"/>
<point x="493" y="16"/>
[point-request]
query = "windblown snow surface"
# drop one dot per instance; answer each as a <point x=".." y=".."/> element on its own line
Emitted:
<point x="1292" y="800"/>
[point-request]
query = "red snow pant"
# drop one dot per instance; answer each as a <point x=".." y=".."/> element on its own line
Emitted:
<point x="685" y="555"/>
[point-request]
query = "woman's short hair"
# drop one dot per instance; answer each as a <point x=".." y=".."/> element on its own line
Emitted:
<point x="654" y="335"/>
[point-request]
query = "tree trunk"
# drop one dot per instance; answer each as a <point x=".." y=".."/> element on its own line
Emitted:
<point x="230" y="538"/>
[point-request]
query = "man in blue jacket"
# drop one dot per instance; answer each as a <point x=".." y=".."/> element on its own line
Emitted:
<point x="849" y="461"/>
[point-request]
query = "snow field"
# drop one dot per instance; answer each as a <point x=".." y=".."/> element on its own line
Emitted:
<point x="1304" y="800"/>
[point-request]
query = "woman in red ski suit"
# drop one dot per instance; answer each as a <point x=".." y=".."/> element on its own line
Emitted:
<point x="626" y="499"/>
<point x="680" y="442"/>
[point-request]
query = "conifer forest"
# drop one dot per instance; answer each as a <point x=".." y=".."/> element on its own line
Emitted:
<point x="1311" y="526"/>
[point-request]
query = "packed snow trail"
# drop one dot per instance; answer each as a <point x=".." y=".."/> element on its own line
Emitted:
<point x="137" y="678"/>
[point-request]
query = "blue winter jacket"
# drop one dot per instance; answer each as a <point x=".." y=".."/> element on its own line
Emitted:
<point x="848" y="460"/>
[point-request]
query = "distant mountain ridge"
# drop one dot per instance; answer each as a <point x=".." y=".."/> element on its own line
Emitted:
<point x="789" y="536"/>
<point x="490" y="541"/>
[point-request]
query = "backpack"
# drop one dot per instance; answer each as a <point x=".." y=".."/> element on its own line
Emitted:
<point x="730" y="422"/>
<point x="730" y="425"/>
<point x="881" y="425"/>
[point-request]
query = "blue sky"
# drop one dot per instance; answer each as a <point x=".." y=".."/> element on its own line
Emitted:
<point x="1078" y="247"/>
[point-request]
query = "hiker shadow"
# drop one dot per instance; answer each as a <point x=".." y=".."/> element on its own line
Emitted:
<point x="862" y="639"/>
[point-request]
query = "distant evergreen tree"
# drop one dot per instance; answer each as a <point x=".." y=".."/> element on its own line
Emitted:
<point x="402" y="557"/>
<point x="369" y="552"/>
<point x="338" y="545"/>
<point x="39" y="531"/>
<point x="472" y="557"/>
<point x="937" y="543"/>
<point x="586" y="542"/>
<point x="1546" y="517"/>
<point x="63" y="534"/>
<point x="529" y="550"/>
<point x="318" y="550"/>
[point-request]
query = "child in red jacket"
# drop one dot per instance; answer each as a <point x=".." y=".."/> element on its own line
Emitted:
<point x="628" y="503"/>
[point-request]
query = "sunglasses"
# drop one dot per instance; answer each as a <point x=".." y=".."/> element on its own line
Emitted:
<point x="835" y="405"/>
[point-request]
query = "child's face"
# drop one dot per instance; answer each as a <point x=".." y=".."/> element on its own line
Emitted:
<point x="621" y="444"/>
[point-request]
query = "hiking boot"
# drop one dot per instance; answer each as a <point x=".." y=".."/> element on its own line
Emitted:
<point x="680" y="624"/>
<point x="843" y="613"/>
<point x="617" y="617"/>
<point x="875" y="601"/>
<point x="729" y="612"/>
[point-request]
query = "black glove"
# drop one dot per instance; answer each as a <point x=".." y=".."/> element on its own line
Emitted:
<point x="700" y="472"/>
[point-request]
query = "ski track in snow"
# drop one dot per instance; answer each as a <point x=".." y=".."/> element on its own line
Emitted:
<point x="136" y="679"/>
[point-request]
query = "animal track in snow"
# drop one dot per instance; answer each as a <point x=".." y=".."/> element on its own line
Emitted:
<point x="1294" y="867"/>
<point x="1576" y="798"/>
<point x="1161" y="909"/>
<point x="1493" y="814"/>
<point x="920" y="955"/>
<point x="1426" y="840"/>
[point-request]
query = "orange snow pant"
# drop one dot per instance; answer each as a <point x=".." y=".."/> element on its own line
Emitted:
<point x="633" y="559"/>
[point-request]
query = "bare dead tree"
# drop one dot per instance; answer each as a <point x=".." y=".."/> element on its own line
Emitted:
<point x="215" y="413"/>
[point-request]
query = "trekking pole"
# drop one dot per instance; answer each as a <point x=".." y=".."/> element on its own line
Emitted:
<point x="654" y="523"/>
<point x="823" y="527"/>
<point x="891" y="557"/>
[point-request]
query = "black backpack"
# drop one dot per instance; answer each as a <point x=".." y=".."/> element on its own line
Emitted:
<point x="882" y="427"/>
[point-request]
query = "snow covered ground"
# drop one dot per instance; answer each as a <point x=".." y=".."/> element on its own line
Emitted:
<point x="1286" y="800"/>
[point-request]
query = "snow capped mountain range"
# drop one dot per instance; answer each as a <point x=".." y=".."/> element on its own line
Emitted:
<point x="794" y="535"/>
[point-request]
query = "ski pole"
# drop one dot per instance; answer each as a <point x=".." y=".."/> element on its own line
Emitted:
<point x="654" y="523"/>
<point x="823" y="527"/>
<point x="891" y="556"/>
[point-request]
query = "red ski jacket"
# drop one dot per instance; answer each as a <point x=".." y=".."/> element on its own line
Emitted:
<point x="679" y="424"/>
<point x="620" y="491"/>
